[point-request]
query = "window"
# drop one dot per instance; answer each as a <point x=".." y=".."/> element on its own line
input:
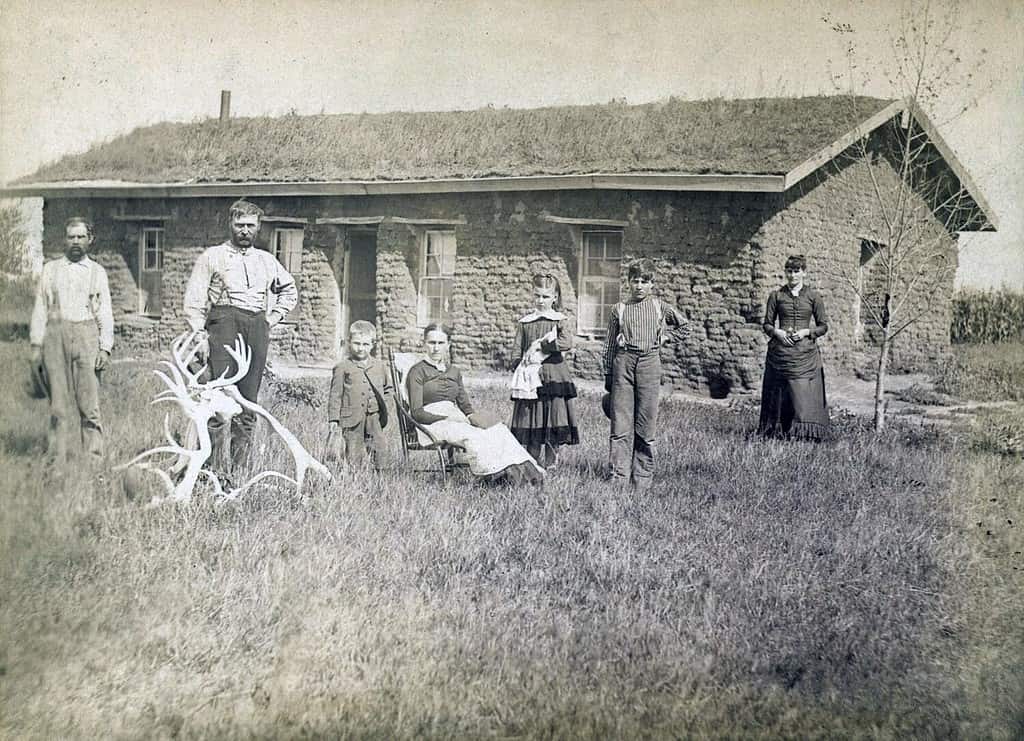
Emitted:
<point x="600" y="271"/>
<point x="150" y="270"/>
<point x="437" y="271"/>
<point x="287" y="248"/>
<point x="869" y="298"/>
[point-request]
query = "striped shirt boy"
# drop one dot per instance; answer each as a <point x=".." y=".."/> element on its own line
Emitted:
<point x="641" y="329"/>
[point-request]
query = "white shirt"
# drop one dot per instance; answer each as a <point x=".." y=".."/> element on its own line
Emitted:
<point x="73" y="292"/>
<point x="225" y="275"/>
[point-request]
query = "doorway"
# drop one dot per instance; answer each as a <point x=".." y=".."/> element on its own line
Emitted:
<point x="359" y="300"/>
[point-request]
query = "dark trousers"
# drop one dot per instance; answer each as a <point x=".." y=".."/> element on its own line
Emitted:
<point x="224" y="324"/>
<point x="356" y="444"/>
<point x="636" y="386"/>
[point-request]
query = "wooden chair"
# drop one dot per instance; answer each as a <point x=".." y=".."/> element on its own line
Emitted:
<point x="411" y="431"/>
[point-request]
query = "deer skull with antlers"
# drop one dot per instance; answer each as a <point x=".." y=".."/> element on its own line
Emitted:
<point x="201" y="402"/>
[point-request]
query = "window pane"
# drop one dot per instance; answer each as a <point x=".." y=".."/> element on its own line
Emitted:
<point x="589" y="305"/>
<point x="448" y="261"/>
<point x="433" y="238"/>
<point x="448" y="265"/>
<point x="432" y="266"/>
<point x="602" y="254"/>
<point x="152" y="252"/>
<point x="288" y="249"/>
<point x="438" y="267"/>
<point x="441" y="248"/>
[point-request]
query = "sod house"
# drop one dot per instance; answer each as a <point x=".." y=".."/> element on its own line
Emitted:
<point x="408" y="218"/>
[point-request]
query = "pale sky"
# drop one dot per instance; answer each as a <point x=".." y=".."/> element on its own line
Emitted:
<point x="76" y="76"/>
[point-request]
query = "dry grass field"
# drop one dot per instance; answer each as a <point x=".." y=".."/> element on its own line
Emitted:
<point x="870" y="587"/>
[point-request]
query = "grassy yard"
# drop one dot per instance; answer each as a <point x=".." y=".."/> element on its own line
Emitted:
<point x="985" y="372"/>
<point x="866" y="588"/>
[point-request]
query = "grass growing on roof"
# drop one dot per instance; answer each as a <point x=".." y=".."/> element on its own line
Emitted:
<point x="762" y="135"/>
<point x="760" y="589"/>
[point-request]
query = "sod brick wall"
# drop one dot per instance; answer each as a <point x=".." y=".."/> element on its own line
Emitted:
<point x="718" y="254"/>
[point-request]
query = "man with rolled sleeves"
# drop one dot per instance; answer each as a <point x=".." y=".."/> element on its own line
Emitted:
<point x="237" y="289"/>
<point x="72" y="333"/>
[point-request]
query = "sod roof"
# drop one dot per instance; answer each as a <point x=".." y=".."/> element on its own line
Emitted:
<point x="756" y="136"/>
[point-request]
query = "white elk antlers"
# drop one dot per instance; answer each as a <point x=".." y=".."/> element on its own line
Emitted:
<point x="200" y="402"/>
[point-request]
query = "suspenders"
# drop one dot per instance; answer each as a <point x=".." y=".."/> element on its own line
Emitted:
<point x="620" y="309"/>
<point x="93" y="298"/>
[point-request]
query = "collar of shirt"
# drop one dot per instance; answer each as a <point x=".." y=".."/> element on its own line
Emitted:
<point x="555" y="316"/>
<point x="236" y="250"/>
<point x="83" y="263"/>
<point x="440" y="366"/>
<point x="630" y="301"/>
<point x="795" y="293"/>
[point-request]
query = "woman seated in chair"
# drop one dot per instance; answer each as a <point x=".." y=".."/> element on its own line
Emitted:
<point x="438" y="400"/>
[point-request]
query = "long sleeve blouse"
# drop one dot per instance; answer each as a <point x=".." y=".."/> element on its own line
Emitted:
<point x="427" y="384"/>
<point x="804" y="310"/>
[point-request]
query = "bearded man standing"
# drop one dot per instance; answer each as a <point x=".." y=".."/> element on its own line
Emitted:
<point x="237" y="289"/>
<point x="72" y="333"/>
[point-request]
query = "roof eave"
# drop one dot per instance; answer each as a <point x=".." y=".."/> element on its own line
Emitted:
<point x="597" y="181"/>
<point x="989" y="221"/>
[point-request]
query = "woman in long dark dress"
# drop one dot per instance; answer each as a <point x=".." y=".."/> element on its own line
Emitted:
<point x="793" y="392"/>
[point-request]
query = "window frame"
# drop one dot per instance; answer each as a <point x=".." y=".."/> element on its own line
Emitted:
<point x="862" y="320"/>
<point x="294" y="270"/>
<point x="143" y="266"/>
<point x="584" y="279"/>
<point x="423" y="317"/>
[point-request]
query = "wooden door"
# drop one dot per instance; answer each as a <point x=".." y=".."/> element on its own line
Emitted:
<point x="151" y="270"/>
<point x="360" y="278"/>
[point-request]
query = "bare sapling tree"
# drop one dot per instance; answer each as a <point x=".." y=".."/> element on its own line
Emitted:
<point x="13" y="238"/>
<point x="916" y="203"/>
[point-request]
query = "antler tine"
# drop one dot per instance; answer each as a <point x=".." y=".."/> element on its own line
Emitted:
<point x="218" y="490"/>
<point x="190" y="443"/>
<point x="176" y="450"/>
<point x="303" y="459"/>
<point x="234" y="493"/>
<point x="242" y="355"/>
<point x="175" y="374"/>
<point x="182" y="359"/>
<point x="167" y="431"/>
<point x="176" y="390"/>
<point x="164" y="479"/>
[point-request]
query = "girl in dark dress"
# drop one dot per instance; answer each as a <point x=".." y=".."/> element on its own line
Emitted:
<point x="543" y="418"/>
<point x="793" y="393"/>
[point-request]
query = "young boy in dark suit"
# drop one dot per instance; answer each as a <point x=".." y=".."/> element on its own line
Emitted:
<point x="357" y="409"/>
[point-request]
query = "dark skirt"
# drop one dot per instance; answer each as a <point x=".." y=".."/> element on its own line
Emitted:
<point x="549" y="419"/>
<point x="794" y="407"/>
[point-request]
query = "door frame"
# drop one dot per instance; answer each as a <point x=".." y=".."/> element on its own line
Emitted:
<point x="346" y="309"/>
